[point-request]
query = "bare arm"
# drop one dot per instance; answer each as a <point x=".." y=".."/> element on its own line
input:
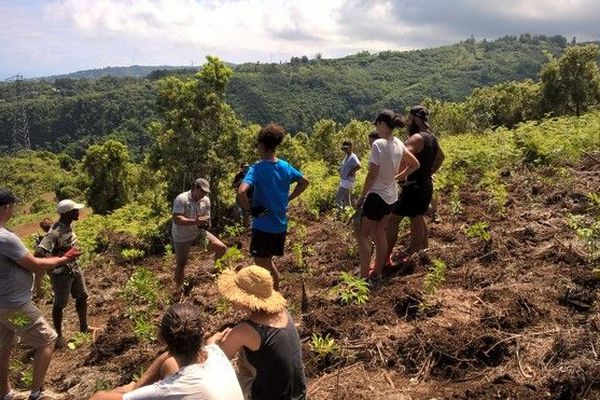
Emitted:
<point x="232" y="340"/>
<point x="437" y="162"/>
<point x="371" y="176"/>
<point x="179" y="219"/>
<point x="301" y="186"/>
<point x="408" y="165"/>
<point x="39" y="265"/>
<point x="414" y="144"/>
<point x="242" y="196"/>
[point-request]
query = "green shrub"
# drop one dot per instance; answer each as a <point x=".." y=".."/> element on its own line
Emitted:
<point x="131" y="255"/>
<point x="232" y="256"/>
<point x="143" y="288"/>
<point x="320" y="194"/>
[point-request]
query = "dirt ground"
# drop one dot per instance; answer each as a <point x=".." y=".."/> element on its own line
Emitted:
<point x="515" y="318"/>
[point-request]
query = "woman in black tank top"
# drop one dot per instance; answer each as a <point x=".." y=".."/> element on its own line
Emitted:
<point x="267" y="340"/>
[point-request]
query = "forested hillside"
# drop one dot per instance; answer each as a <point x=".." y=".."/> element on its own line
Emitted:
<point x="67" y="114"/>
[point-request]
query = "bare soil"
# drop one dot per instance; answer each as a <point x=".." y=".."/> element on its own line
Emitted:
<point x="517" y="318"/>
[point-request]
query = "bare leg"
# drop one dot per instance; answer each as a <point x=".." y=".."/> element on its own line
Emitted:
<point x="268" y="264"/>
<point x="81" y="307"/>
<point x="216" y="246"/>
<point x="179" y="273"/>
<point x="418" y="234"/>
<point x="41" y="361"/>
<point x="381" y="246"/>
<point x="57" y="318"/>
<point x="392" y="234"/>
<point x="4" y="363"/>
<point x="367" y="228"/>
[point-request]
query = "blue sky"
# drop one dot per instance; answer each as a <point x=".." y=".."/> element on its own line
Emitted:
<point x="49" y="37"/>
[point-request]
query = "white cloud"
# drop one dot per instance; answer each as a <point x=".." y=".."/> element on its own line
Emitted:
<point x="223" y="26"/>
<point x="42" y="37"/>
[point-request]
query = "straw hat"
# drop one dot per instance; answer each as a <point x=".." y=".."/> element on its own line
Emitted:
<point x="251" y="287"/>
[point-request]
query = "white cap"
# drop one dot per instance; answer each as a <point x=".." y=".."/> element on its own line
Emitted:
<point x="64" y="206"/>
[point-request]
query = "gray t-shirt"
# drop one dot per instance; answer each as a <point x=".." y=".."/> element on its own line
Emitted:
<point x="59" y="239"/>
<point x="350" y="162"/>
<point x="15" y="281"/>
<point x="186" y="206"/>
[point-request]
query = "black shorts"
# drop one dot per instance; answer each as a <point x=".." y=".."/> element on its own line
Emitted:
<point x="265" y="244"/>
<point x="375" y="208"/>
<point x="414" y="200"/>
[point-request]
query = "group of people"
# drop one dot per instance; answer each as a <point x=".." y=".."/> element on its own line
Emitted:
<point x="382" y="206"/>
<point x="266" y="343"/>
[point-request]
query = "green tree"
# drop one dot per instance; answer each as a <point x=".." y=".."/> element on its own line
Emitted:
<point x="199" y="135"/>
<point x="571" y="83"/>
<point x="106" y="166"/>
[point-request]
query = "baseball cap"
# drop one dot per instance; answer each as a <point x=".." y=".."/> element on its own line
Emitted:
<point x="202" y="184"/>
<point x="7" y="197"/>
<point x="64" y="206"/>
<point x="420" y="111"/>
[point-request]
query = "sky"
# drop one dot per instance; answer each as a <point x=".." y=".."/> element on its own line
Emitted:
<point x="39" y="38"/>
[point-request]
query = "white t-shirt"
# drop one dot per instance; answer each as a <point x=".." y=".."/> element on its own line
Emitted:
<point x="214" y="379"/>
<point x="186" y="206"/>
<point x="387" y="153"/>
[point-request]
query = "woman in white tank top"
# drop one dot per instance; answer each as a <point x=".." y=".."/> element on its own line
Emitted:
<point x="390" y="162"/>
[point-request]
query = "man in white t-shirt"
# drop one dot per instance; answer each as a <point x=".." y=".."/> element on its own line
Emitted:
<point x="348" y="169"/>
<point x="187" y="371"/>
<point x="191" y="219"/>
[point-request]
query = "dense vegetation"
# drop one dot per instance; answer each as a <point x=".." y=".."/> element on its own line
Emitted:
<point x="70" y="113"/>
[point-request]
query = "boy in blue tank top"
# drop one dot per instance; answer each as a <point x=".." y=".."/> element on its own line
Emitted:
<point x="270" y="180"/>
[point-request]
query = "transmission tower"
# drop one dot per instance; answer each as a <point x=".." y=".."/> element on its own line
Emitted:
<point x="20" y="133"/>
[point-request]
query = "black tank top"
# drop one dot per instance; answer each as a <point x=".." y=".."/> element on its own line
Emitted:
<point x="426" y="158"/>
<point x="278" y="363"/>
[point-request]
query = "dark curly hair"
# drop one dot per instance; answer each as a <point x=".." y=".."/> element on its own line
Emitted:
<point x="271" y="136"/>
<point x="181" y="330"/>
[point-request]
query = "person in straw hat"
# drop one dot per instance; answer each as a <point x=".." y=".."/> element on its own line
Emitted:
<point x="267" y="340"/>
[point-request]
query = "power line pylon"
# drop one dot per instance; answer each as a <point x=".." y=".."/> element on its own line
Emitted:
<point x="20" y="134"/>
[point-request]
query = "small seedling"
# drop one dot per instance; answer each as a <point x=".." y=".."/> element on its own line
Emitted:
<point x="143" y="288"/>
<point x="223" y="306"/>
<point x="352" y="290"/>
<point x="79" y="339"/>
<point x="324" y="346"/>
<point x="479" y="230"/>
<point x="298" y="256"/>
<point x="432" y="282"/>
<point x="102" y="384"/>
<point x="131" y="255"/>
<point x="229" y="259"/>
<point x="143" y="328"/>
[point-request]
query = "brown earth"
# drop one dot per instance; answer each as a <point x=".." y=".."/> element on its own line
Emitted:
<point x="515" y="319"/>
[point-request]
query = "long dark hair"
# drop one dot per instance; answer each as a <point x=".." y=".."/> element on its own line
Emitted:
<point x="182" y="331"/>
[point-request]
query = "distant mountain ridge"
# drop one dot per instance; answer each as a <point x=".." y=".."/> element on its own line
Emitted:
<point x="132" y="71"/>
<point x="67" y="110"/>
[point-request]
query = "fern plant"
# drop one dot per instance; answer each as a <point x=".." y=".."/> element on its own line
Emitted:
<point x="352" y="290"/>
<point x="324" y="346"/>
